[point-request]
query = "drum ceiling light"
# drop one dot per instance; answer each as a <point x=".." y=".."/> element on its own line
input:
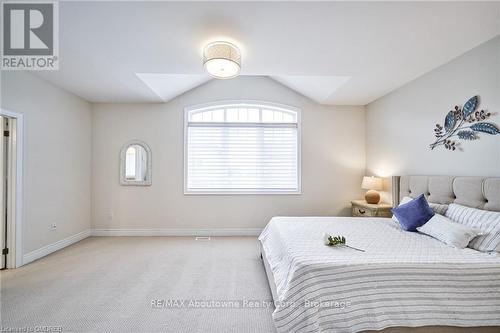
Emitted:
<point x="222" y="60"/>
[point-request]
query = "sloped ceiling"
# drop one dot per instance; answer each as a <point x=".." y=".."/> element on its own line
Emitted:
<point x="320" y="89"/>
<point x="169" y="86"/>
<point x="348" y="53"/>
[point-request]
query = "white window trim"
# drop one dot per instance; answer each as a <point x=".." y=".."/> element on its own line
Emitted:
<point x="298" y="191"/>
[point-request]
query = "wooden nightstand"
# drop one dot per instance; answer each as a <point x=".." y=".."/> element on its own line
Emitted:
<point x="362" y="208"/>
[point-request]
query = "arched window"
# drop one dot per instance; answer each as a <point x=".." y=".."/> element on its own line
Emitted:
<point x="242" y="147"/>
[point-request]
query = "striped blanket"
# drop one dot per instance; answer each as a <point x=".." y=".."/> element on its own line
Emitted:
<point x="402" y="279"/>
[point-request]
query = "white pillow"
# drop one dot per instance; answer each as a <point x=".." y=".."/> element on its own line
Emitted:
<point x="438" y="208"/>
<point x="487" y="222"/>
<point x="449" y="232"/>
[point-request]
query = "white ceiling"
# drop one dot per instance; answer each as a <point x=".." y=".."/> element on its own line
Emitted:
<point x="168" y="86"/>
<point x="333" y="52"/>
<point x="321" y="89"/>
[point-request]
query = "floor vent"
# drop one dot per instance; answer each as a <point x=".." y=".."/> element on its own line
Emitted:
<point x="202" y="238"/>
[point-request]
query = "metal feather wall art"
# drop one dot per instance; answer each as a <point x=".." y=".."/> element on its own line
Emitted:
<point x="464" y="123"/>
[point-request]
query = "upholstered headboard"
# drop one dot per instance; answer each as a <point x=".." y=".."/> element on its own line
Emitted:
<point x="477" y="192"/>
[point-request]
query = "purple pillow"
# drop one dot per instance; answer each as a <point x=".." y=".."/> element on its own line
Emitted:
<point x="413" y="214"/>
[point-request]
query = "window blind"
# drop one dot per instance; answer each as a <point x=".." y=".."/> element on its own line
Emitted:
<point x="248" y="157"/>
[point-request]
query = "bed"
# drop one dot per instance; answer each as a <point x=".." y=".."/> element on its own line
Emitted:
<point x="402" y="280"/>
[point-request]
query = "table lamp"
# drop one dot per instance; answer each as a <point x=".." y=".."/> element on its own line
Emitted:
<point x="372" y="184"/>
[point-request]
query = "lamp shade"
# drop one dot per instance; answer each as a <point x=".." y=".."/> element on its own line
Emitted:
<point x="371" y="183"/>
<point x="222" y="60"/>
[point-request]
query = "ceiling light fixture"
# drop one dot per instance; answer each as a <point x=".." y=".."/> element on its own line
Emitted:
<point x="222" y="60"/>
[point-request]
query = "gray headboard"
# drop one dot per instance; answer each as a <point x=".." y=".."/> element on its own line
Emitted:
<point x="477" y="192"/>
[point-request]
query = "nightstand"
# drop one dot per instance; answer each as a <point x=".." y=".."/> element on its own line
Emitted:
<point x="362" y="208"/>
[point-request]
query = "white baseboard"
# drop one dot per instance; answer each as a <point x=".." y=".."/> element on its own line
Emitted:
<point x="219" y="232"/>
<point x="178" y="232"/>
<point x="48" y="249"/>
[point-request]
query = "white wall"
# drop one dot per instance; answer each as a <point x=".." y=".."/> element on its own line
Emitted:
<point x="333" y="162"/>
<point x="57" y="158"/>
<point x="399" y="126"/>
<point x="60" y="158"/>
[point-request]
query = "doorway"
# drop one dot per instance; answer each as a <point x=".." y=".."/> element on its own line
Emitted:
<point x="10" y="189"/>
<point x="4" y="146"/>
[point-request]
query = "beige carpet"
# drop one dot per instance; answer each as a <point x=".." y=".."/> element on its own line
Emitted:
<point x="107" y="284"/>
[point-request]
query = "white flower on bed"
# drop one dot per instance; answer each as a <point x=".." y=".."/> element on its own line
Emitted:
<point x="337" y="241"/>
<point x="326" y="239"/>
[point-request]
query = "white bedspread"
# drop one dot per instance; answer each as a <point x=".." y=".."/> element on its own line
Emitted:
<point x="403" y="278"/>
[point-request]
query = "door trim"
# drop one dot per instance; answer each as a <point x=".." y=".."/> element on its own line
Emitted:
<point x="15" y="224"/>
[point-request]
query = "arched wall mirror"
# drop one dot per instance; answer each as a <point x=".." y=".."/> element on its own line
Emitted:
<point x="135" y="164"/>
